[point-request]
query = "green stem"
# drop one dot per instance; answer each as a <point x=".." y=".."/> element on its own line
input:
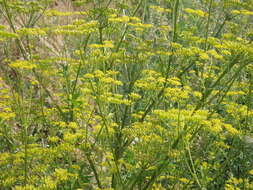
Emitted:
<point x="26" y="154"/>
<point x="249" y="98"/>
<point x="193" y="170"/>
<point x="208" y="23"/>
<point x="175" y="20"/>
<point x="94" y="170"/>
<point x="127" y="27"/>
<point x="211" y="88"/>
<point x="174" y="39"/>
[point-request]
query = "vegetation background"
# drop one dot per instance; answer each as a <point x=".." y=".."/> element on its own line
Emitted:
<point x="126" y="94"/>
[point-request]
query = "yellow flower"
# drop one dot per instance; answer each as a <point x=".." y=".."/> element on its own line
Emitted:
<point x="89" y="76"/>
<point x="215" y="54"/>
<point x="231" y="129"/>
<point x="119" y="19"/>
<point x="32" y="31"/>
<point x="9" y="181"/>
<point x="49" y="184"/>
<point x="22" y="64"/>
<point x="184" y="180"/>
<point x="140" y="25"/>
<point x="73" y="125"/>
<point x="160" y="9"/>
<point x="196" y="12"/>
<point x="61" y="174"/>
<point x="8" y="34"/>
<point x="54" y="139"/>
<point x="135" y="96"/>
<point x="204" y="56"/>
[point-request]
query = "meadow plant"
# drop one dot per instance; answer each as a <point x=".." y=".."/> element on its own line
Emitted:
<point x="126" y="95"/>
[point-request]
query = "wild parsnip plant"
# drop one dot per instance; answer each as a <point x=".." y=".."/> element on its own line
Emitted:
<point x="126" y="95"/>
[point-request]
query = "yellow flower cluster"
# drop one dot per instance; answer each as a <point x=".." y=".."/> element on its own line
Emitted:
<point x="182" y="115"/>
<point x="6" y="35"/>
<point x="131" y="21"/>
<point x="54" y="12"/>
<point x="106" y="44"/>
<point x="197" y="12"/>
<point x="160" y="9"/>
<point x="177" y="94"/>
<point x="63" y="175"/>
<point x="231" y="130"/>
<point x="242" y="12"/>
<point x="115" y="99"/>
<point x="151" y="80"/>
<point x="6" y="112"/>
<point x="32" y="31"/>
<point x="115" y="19"/>
<point x="76" y="28"/>
<point x="23" y="64"/>
<point x="97" y="102"/>
<point x="140" y="25"/>
<point x="232" y="183"/>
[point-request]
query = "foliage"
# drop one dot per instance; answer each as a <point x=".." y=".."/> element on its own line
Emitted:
<point x="124" y="95"/>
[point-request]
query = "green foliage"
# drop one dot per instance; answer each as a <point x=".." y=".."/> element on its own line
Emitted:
<point x="126" y="95"/>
